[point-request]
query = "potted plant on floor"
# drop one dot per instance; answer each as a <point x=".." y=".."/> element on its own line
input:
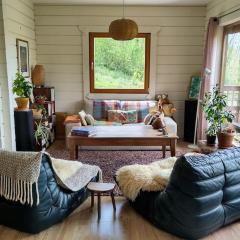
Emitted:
<point x="41" y="134"/>
<point x="211" y="134"/>
<point x="215" y="108"/>
<point x="22" y="88"/>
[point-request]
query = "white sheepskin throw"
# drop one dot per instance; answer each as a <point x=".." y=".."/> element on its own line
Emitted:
<point x="74" y="175"/>
<point x="152" y="177"/>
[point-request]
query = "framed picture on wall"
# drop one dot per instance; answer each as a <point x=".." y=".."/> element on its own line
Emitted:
<point x="195" y="86"/>
<point x="23" y="57"/>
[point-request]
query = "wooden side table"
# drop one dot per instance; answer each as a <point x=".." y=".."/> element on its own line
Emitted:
<point x="99" y="188"/>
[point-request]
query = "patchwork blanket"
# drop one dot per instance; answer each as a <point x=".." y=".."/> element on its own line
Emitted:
<point x="19" y="172"/>
<point x="152" y="177"/>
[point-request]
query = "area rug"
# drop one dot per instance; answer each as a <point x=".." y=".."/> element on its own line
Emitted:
<point x="109" y="161"/>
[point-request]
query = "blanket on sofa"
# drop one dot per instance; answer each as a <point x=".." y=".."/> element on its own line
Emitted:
<point x="152" y="177"/>
<point x="19" y="173"/>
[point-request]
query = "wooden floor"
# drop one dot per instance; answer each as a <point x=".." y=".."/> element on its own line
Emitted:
<point x="125" y="225"/>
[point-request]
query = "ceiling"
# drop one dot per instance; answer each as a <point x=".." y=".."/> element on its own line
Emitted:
<point x="128" y="2"/>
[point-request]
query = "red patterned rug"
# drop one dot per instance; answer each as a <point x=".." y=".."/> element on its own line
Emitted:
<point x="109" y="161"/>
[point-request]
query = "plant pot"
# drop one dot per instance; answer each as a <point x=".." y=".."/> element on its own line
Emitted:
<point x="225" y="139"/>
<point x="211" y="140"/>
<point x="37" y="114"/>
<point x="38" y="75"/>
<point x="22" y="103"/>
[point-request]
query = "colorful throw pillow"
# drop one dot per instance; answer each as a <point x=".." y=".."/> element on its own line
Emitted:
<point x="72" y="119"/>
<point x="142" y="107"/>
<point x="82" y="116"/>
<point x="122" y="116"/>
<point x="89" y="119"/>
<point x="101" y="107"/>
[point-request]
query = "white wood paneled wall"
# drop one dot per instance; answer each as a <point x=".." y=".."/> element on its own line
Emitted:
<point x="18" y="22"/>
<point x="179" y="47"/>
<point x="3" y="76"/>
<point x="220" y="7"/>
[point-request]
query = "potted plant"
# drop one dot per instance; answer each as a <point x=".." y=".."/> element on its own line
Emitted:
<point x="22" y="88"/>
<point x="211" y="134"/>
<point x="225" y="138"/>
<point x="215" y="108"/>
<point x="40" y="99"/>
<point x="41" y="134"/>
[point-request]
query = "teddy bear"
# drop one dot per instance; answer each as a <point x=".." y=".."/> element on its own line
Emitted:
<point x="165" y="106"/>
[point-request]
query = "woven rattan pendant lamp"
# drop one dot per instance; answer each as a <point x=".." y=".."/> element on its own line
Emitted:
<point x="123" y="29"/>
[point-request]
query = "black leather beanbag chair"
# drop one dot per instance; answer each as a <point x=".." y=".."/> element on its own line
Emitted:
<point x="55" y="204"/>
<point x="203" y="195"/>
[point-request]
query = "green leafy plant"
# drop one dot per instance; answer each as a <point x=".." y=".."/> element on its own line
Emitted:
<point x="40" y="99"/>
<point x="21" y="87"/>
<point x="214" y="106"/>
<point x="41" y="132"/>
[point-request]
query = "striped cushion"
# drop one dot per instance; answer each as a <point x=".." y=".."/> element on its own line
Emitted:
<point x="142" y="107"/>
<point x="101" y="107"/>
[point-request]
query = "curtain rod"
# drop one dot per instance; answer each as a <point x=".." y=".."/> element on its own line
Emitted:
<point x="224" y="15"/>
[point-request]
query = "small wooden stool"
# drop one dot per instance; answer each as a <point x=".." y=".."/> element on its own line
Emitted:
<point x="99" y="188"/>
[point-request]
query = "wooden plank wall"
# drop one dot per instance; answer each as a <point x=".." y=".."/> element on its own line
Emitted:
<point x="179" y="47"/>
<point x="18" y="22"/>
<point x="3" y="75"/>
<point x="220" y="7"/>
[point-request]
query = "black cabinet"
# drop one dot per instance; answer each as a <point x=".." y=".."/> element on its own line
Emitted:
<point x="24" y="130"/>
<point x="189" y="119"/>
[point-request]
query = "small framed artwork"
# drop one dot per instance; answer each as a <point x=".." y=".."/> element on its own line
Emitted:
<point x="195" y="86"/>
<point x="23" y="57"/>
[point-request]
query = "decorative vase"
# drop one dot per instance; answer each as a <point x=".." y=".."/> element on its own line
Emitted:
<point x="211" y="140"/>
<point x="38" y="75"/>
<point x="158" y="123"/>
<point x="22" y="103"/>
<point x="225" y="139"/>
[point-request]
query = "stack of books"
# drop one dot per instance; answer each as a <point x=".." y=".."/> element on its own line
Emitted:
<point x="83" y="131"/>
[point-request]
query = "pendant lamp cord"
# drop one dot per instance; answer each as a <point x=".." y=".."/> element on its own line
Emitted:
<point x="123" y="9"/>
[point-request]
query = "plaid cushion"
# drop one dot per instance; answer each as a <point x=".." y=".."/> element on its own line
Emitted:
<point x="101" y="107"/>
<point x="142" y="107"/>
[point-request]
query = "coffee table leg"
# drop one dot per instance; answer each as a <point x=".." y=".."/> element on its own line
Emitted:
<point x="173" y="147"/>
<point x="99" y="206"/>
<point x="92" y="199"/>
<point x="113" y="201"/>
<point x="72" y="151"/>
<point x="76" y="152"/>
<point x="164" y="150"/>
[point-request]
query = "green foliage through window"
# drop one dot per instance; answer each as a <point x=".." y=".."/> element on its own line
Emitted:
<point x="232" y="64"/>
<point x="119" y="64"/>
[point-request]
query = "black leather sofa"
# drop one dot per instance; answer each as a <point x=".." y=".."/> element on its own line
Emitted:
<point x="55" y="204"/>
<point x="203" y="195"/>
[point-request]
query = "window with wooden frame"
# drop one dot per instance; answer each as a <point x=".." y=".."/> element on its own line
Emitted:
<point x="230" y="78"/>
<point x="119" y="66"/>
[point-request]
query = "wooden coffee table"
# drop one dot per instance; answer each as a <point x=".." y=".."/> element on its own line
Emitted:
<point x="126" y="135"/>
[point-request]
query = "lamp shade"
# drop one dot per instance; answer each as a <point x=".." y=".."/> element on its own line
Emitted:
<point x="123" y="29"/>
